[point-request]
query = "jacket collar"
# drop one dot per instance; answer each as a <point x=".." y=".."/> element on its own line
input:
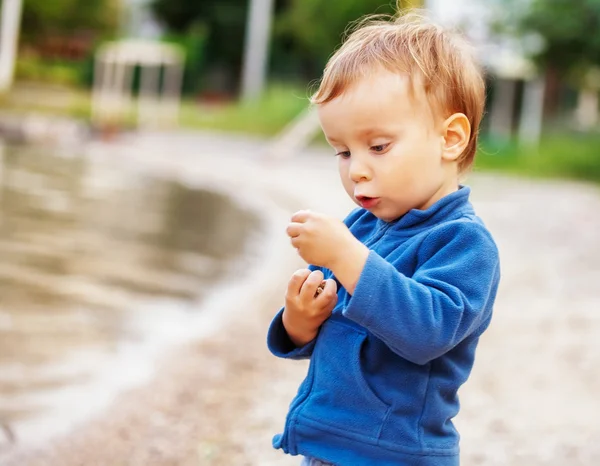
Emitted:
<point x="455" y="204"/>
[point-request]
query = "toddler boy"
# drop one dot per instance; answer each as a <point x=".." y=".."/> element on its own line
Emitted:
<point x="411" y="275"/>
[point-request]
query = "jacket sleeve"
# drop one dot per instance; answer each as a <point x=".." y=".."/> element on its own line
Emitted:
<point x="280" y="344"/>
<point x="449" y="296"/>
<point x="278" y="340"/>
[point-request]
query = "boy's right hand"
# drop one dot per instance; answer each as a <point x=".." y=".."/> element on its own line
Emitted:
<point x="305" y="311"/>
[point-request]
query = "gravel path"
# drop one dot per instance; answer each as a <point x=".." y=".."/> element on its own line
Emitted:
<point x="530" y="401"/>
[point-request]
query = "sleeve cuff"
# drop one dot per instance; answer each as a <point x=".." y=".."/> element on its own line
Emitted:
<point x="279" y="343"/>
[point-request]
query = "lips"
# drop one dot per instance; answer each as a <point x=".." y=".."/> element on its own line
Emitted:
<point x="367" y="202"/>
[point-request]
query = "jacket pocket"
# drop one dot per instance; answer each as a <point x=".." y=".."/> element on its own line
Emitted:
<point x="341" y="397"/>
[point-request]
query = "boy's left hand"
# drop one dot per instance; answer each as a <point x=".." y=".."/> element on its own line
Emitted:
<point x="320" y="240"/>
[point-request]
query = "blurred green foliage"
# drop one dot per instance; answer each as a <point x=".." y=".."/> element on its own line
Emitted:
<point x="223" y="24"/>
<point x="193" y="44"/>
<point x="34" y="68"/>
<point x="212" y="32"/>
<point x="305" y="32"/>
<point x="567" y="155"/>
<point x="569" y="31"/>
<point x="42" y="18"/>
<point x="58" y="39"/>
<point x="313" y="29"/>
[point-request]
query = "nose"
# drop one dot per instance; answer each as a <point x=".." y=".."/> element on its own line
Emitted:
<point x="359" y="170"/>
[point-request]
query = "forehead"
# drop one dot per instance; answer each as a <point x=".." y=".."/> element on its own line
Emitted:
<point x="380" y="99"/>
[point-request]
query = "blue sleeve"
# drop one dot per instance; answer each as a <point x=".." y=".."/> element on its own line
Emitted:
<point x="278" y="341"/>
<point x="449" y="296"/>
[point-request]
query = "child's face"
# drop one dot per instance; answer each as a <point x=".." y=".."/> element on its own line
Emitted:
<point x="392" y="149"/>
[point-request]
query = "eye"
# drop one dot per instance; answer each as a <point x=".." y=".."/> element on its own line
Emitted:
<point x="344" y="154"/>
<point x="379" y="147"/>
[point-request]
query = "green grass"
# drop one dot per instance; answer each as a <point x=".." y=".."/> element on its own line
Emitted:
<point x="266" y="116"/>
<point x="570" y="156"/>
<point x="30" y="97"/>
<point x="57" y="72"/>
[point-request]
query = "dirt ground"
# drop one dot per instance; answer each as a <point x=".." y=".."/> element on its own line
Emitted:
<point x="532" y="399"/>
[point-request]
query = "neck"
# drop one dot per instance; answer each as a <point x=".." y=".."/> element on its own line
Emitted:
<point x="448" y="185"/>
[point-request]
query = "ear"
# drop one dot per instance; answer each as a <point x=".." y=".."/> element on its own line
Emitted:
<point x="456" y="134"/>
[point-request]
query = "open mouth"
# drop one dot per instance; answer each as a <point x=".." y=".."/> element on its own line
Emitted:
<point x="367" y="202"/>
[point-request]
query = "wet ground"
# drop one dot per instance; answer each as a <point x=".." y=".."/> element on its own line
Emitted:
<point x="100" y="268"/>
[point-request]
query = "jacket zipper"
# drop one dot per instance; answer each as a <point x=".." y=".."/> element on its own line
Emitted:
<point x="295" y="409"/>
<point x="378" y="237"/>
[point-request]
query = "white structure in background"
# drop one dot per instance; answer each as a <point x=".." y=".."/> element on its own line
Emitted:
<point x="138" y="20"/>
<point x="1" y="171"/>
<point x="256" y="53"/>
<point x="9" y="37"/>
<point x="158" y="100"/>
<point x="587" y="103"/>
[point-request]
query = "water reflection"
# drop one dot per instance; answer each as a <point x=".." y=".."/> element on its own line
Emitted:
<point x="82" y="247"/>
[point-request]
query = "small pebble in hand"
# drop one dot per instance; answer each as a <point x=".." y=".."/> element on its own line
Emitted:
<point x="320" y="288"/>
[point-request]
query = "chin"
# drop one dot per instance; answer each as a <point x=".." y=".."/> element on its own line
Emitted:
<point x="386" y="218"/>
<point x="389" y="216"/>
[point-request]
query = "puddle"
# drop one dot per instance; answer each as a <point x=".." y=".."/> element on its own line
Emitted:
<point x="100" y="268"/>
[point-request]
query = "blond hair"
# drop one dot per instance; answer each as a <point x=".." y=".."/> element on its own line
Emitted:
<point x="438" y="60"/>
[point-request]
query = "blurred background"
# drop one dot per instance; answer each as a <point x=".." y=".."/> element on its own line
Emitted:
<point x="151" y="153"/>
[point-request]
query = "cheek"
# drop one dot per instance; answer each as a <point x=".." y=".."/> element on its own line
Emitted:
<point x="425" y="157"/>
<point x="408" y="168"/>
<point x="401" y="163"/>
<point x="343" y="171"/>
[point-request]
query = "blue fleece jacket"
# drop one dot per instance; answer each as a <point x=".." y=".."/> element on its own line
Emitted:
<point x="386" y="366"/>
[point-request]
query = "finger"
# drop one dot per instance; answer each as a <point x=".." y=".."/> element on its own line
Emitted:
<point x="296" y="242"/>
<point x="301" y="216"/>
<point x="294" y="229"/>
<point x="329" y="292"/>
<point x="309" y="288"/>
<point x="296" y="282"/>
<point x="320" y="288"/>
